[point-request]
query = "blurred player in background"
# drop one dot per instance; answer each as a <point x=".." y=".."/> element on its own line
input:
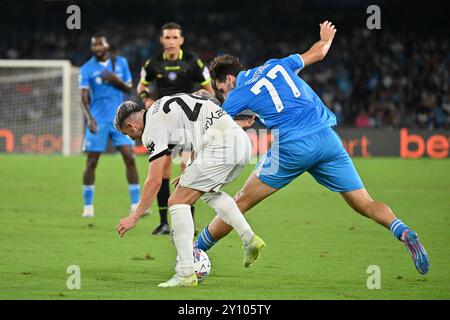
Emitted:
<point x="103" y="81"/>
<point x="167" y="73"/>
<point x="303" y="140"/>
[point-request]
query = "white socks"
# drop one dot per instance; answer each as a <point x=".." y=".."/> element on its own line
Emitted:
<point x="183" y="227"/>
<point x="228" y="211"/>
<point x="183" y="236"/>
<point x="88" y="211"/>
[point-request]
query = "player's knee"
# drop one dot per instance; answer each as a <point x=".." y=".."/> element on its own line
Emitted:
<point x="91" y="164"/>
<point x="166" y="174"/>
<point x="167" y="170"/>
<point x="242" y="201"/>
<point x="363" y="206"/>
<point x="173" y="200"/>
<point x="359" y="200"/>
<point x="129" y="161"/>
<point x="208" y="197"/>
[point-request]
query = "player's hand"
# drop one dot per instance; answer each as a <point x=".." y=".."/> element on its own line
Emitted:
<point x="200" y="92"/>
<point x="109" y="76"/>
<point x="126" y="224"/>
<point x="92" y="125"/>
<point x="175" y="181"/>
<point x="327" y="31"/>
<point x="148" y="102"/>
<point x="246" y="122"/>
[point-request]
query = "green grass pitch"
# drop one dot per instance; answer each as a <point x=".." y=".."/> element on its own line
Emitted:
<point x="317" y="248"/>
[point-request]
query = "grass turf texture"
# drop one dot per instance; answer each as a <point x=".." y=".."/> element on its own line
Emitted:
<point x="317" y="248"/>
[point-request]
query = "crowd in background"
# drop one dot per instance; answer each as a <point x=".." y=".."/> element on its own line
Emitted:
<point x="394" y="77"/>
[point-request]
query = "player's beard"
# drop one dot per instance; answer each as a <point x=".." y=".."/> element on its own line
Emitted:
<point x="101" y="56"/>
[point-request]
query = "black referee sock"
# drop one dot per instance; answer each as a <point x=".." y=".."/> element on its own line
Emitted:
<point x="163" y="199"/>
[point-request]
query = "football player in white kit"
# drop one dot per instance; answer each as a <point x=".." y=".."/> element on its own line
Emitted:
<point x="221" y="149"/>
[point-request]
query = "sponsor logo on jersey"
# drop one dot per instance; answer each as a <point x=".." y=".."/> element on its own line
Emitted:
<point x="151" y="148"/>
<point x="258" y="73"/>
<point x="214" y="116"/>
<point x="155" y="107"/>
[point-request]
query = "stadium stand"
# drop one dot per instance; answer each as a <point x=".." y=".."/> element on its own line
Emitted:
<point x="395" y="78"/>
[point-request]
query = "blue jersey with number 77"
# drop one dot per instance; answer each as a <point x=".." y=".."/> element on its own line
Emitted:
<point x="280" y="97"/>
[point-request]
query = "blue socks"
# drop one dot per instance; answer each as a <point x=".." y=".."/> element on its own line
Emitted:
<point x="205" y="241"/>
<point x="135" y="192"/>
<point x="397" y="227"/>
<point x="88" y="194"/>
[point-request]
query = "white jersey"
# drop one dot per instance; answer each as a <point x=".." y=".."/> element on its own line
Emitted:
<point x="183" y="119"/>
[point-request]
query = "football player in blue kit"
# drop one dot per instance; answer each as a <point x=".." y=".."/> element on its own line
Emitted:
<point x="104" y="79"/>
<point x="303" y="140"/>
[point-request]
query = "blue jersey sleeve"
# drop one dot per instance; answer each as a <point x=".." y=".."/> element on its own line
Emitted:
<point x="294" y="62"/>
<point x="83" y="78"/>
<point x="233" y="104"/>
<point x="126" y="72"/>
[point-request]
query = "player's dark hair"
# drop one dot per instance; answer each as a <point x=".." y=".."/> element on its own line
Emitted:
<point x="112" y="48"/>
<point x="171" y="26"/>
<point x="99" y="35"/>
<point x="125" y="110"/>
<point x="224" y="65"/>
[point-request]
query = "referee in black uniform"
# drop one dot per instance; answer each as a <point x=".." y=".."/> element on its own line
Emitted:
<point x="169" y="72"/>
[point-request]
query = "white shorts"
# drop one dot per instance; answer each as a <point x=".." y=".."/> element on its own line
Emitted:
<point x="218" y="163"/>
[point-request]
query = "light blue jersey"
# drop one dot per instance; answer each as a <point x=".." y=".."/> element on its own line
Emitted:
<point x="280" y="97"/>
<point x="104" y="97"/>
<point x="104" y="100"/>
<point x="300" y="123"/>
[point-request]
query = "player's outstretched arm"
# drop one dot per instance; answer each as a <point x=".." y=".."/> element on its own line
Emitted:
<point x="320" y="49"/>
<point x="151" y="188"/>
